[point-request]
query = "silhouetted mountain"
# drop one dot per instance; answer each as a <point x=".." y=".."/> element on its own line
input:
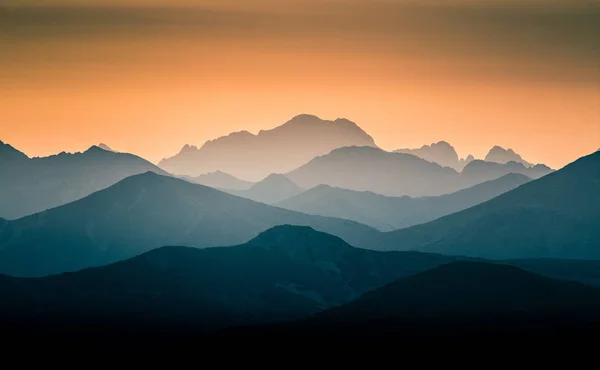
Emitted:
<point x="140" y="213"/>
<point x="10" y="154"/>
<point x="272" y="189"/>
<point x="279" y="150"/>
<point x="32" y="185"/>
<point x="391" y="213"/>
<point x="468" y="294"/>
<point x="555" y="216"/>
<point x="500" y="155"/>
<point x="284" y="273"/>
<point x="373" y="169"/>
<point x="479" y="171"/>
<point x="441" y="153"/>
<point x="221" y="180"/>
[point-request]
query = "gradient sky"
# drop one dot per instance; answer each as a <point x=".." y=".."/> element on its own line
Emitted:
<point x="148" y="77"/>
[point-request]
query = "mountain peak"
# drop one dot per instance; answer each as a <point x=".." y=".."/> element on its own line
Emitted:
<point x="8" y="152"/>
<point x="290" y="237"/>
<point x="441" y="153"/>
<point x="105" y="147"/>
<point x="500" y="155"/>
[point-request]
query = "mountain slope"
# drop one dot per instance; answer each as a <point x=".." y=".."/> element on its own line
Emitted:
<point x="284" y="273"/>
<point x="272" y="189"/>
<point x="373" y="169"/>
<point x="144" y="212"/>
<point x="470" y="293"/>
<point x="391" y="213"/>
<point x="279" y="150"/>
<point x="33" y="185"/>
<point x="221" y="180"/>
<point x="555" y="216"/>
<point x="9" y="154"/>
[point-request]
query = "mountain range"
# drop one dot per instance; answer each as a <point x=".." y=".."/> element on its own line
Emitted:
<point x="555" y="216"/>
<point x="500" y="155"/>
<point x="30" y="185"/>
<point x="397" y="174"/>
<point x="441" y="153"/>
<point x="391" y="213"/>
<point x="285" y="273"/>
<point x="279" y="150"/>
<point x="144" y="212"/>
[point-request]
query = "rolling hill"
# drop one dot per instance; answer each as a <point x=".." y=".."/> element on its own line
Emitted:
<point x="144" y="212"/>
<point x="284" y="273"/>
<point x="392" y="213"/>
<point x="555" y="216"/>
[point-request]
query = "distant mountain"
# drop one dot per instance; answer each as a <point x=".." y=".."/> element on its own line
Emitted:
<point x="555" y="216"/>
<point x="221" y="180"/>
<point x="500" y="155"/>
<point x="9" y="154"/>
<point x="441" y="153"/>
<point x="33" y="185"/>
<point x="278" y="150"/>
<point x="284" y="273"/>
<point x="144" y="212"/>
<point x="272" y="189"/>
<point x="465" y="294"/>
<point x="373" y="169"/>
<point x="391" y="213"/>
<point x="479" y="171"/>
<point x="106" y="147"/>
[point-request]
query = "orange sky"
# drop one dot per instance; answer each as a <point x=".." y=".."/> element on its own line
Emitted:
<point x="149" y="80"/>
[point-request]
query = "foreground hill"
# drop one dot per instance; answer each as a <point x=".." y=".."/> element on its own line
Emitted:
<point x="140" y="213"/>
<point x="279" y="150"/>
<point x="272" y="189"/>
<point x="555" y="216"/>
<point x="391" y="213"/>
<point x="30" y="185"/>
<point x="284" y="273"/>
<point x="466" y="294"/>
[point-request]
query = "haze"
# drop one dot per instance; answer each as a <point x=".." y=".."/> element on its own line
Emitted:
<point x="149" y="77"/>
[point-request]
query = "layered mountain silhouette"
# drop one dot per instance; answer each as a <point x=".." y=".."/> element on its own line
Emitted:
<point x="272" y="189"/>
<point x="30" y="185"/>
<point x="500" y="155"/>
<point x="478" y="171"/>
<point x="278" y="150"/>
<point x="465" y="294"/>
<point x="284" y="273"/>
<point x="141" y="213"/>
<point x="373" y="169"/>
<point x="555" y="216"/>
<point x="391" y="213"/>
<point x="395" y="174"/>
<point x="221" y="180"/>
<point x="106" y="147"/>
<point x="441" y="153"/>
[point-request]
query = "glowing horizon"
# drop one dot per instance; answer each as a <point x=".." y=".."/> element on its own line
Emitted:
<point x="150" y="79"/>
